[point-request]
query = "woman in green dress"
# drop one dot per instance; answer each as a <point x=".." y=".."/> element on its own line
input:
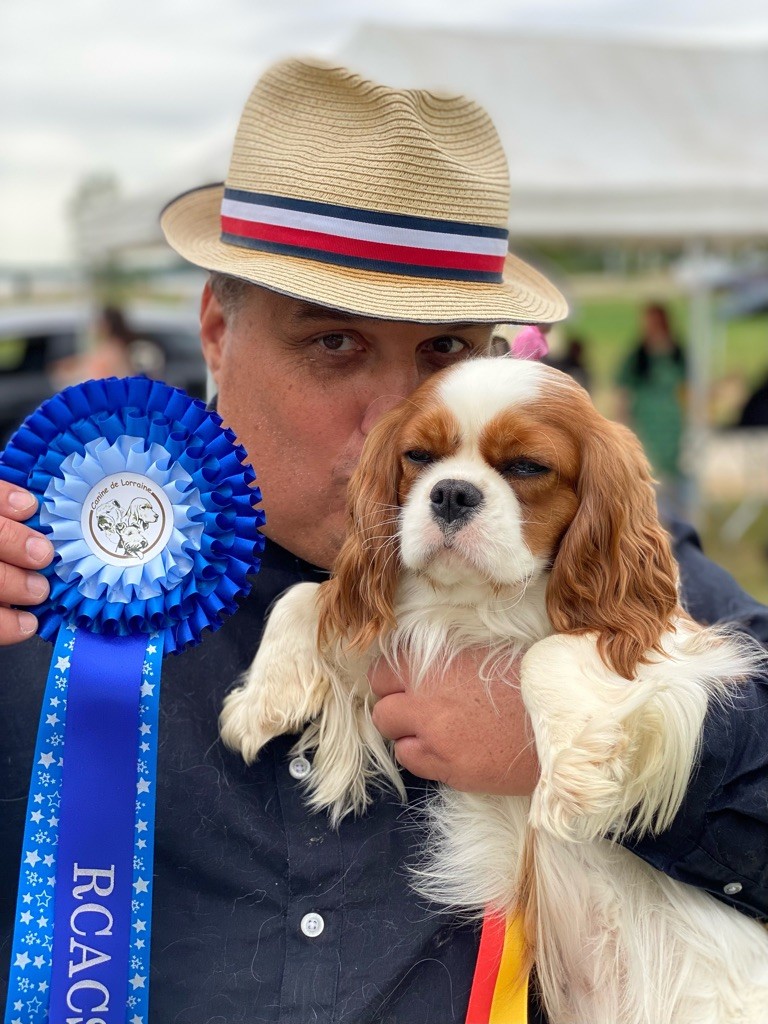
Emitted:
<point x="652" y="380"/>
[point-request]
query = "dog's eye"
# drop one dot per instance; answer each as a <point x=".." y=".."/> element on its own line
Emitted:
<point x="419" y="456"/>
<point x="523" y="468"/>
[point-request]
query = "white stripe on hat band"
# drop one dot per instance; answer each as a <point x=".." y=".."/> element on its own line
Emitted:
<point x="437" y="240"/>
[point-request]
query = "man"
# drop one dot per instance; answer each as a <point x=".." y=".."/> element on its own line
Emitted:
<point x="354" y="252"/>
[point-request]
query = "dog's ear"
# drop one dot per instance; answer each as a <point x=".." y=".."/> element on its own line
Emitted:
<point x="357" y="603"/>
<point x="614" y="572"/>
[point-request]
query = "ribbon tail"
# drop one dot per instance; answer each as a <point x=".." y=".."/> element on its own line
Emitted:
<point x="28" y="982"/>
<point x="499" y="992"/>
<point x="94" y="862"/>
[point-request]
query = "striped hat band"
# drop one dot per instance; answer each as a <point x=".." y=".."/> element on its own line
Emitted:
<point x="364" y="239"/>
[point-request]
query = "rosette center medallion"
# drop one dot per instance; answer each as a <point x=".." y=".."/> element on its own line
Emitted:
<point x="126" y="518"/>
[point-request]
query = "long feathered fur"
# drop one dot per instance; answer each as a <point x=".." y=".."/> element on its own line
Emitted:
<point x="615" y="676"/>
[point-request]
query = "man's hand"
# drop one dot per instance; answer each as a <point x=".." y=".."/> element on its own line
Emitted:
<point x="455" y="728"/>
<point x="22" y="551"/>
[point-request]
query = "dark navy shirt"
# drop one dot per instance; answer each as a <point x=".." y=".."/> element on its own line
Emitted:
<point x="240" y="862"/>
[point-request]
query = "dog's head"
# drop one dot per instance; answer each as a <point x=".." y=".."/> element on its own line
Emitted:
<point x="142" y="513"/>
<point x="491" y="474"/>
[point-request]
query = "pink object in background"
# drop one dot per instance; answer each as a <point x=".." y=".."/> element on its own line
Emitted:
<point x="530" y="343"/>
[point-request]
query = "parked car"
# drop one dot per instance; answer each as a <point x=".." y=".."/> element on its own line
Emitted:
<point x="33" y="338"/>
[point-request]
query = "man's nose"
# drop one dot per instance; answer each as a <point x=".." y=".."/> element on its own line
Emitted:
<point x="391" y="393"/>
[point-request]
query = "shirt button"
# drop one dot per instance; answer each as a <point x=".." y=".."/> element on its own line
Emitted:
<point x="299" y="768"/>
<point x="312" y="925"/>
<point x="732" y="888"/>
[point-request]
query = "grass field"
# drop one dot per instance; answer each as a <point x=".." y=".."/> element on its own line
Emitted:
<point x="608" y="323"/>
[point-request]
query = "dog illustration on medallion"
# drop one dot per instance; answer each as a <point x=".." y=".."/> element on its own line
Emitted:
<point x="128" y="529"/>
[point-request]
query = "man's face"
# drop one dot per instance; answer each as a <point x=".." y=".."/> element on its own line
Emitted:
<point x="301" y="386"/>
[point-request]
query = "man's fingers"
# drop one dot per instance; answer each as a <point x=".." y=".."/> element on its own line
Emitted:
<point x="21" y="552"/>
<point x="394" y="716"/>
<point x="17" y="586"/>
<point x="16" y="626"/>
<point x="15" y="502"/>
<point x="383" y="680"/>
<point x="411" y="754"/>
<point x="22" y="547"/>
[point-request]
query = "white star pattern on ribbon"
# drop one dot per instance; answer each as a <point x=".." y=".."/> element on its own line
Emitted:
<point x="141" y="905"/>
<point x="35" y="935"/>
<point x="33" y="939"/>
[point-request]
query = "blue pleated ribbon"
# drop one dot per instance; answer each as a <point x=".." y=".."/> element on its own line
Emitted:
<point x="130" y="581"/>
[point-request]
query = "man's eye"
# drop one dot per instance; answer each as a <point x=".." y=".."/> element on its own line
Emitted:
<point x="337" y="342"/>
<point x="524" y="468"/>
<point x="449" y="346"/>
<point x="419" y="456"/>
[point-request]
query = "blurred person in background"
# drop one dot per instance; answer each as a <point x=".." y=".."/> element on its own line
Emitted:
<point x="108" y="356"/>
<point x="755" y="411"/>
<point x="572" y="362"/>
<point x="651" y="384"/>
<point x="116" y="351"/>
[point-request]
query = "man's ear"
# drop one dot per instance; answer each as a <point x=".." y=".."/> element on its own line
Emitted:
<point x="213" y="327"/>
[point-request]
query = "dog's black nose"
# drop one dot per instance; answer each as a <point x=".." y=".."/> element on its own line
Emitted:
<point x="452" y="500"/>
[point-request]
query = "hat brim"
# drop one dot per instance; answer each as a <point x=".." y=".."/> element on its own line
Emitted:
<point x="191" y="225"/>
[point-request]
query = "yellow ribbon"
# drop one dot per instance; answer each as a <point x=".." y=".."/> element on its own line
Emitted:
<point x="510" y="996"/>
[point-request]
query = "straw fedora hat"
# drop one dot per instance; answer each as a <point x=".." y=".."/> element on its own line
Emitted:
<point x="385" y="202"/>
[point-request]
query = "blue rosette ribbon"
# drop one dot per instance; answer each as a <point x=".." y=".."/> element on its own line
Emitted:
<point x="151" y="509"/>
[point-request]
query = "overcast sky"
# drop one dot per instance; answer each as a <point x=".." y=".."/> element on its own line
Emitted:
<point x="151" y="89"/>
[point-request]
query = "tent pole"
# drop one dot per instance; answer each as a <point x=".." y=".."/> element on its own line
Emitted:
<point x="699" y="352"/>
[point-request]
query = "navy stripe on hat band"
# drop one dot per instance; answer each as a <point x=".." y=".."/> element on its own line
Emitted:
<point x="367" y="216"/>
<point x="360" y="263"/>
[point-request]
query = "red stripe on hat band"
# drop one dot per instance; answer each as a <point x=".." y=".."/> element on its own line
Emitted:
<point x="404" y="254"/>
<point x="487" y="969"/>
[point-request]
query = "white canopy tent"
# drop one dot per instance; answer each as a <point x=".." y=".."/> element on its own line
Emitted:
<point x="607" y="138"/>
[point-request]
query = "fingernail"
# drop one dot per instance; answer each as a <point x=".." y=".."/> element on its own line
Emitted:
<point x="37" y="586"/>
<point x="38" y="549"/>
<point x="20" y="500"/>
<point x="27" y="623"/>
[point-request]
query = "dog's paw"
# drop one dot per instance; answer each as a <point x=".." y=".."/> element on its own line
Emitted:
<point x="586" y="751"/>
<point x="247" y="723"/>
<point x="287" y="683"/>
<point x="582" y="790"/>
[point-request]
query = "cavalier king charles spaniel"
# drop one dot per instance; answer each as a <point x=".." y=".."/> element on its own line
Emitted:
<point x="496" y="509"/>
